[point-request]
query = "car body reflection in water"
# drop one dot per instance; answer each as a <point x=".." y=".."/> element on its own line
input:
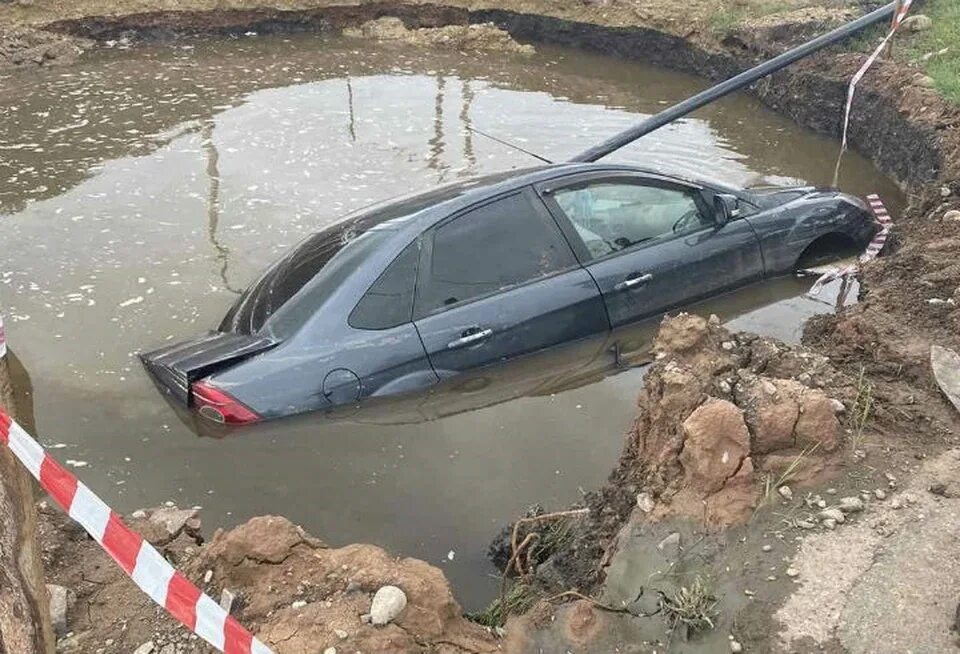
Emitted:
<point x="779" y="306"/>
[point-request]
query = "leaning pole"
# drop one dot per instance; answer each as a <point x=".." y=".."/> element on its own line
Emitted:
<point x="736" y="83"/>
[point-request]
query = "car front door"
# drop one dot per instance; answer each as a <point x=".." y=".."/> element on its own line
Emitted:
<point x="652" y="244"/>
<point x="500" y="281"/>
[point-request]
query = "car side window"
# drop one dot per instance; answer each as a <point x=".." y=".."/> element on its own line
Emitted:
<point x="502" y="244"/>
<point x="612" y="216"/>
<point x="389" y="302"/>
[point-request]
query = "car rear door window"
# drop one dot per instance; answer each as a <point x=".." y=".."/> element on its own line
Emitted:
<point x="389" y="302"/>
<point x="610" y="216"/>
<point x="500" y="245"/>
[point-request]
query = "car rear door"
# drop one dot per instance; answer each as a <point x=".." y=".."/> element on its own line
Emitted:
<point x="651" y="244"/>
<point x="499" y="281"/>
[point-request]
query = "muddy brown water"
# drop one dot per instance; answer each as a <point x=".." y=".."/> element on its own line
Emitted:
<point x="143" y="188"/>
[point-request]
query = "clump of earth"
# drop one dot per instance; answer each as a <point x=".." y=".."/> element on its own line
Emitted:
<point x="486" y="36"/>
<point x="291" y="590"/>
<point x="21" y="46"/>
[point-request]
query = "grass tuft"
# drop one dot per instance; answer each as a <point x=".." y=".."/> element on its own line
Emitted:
<point x="861" y="410"/>
<point x="520" y="599"/>
<point x="693" y="608"/>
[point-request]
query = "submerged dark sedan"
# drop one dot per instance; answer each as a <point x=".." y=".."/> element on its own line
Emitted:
<point x="399" y="296"/>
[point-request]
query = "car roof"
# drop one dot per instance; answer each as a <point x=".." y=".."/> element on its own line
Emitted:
<point x="420" y="210"/>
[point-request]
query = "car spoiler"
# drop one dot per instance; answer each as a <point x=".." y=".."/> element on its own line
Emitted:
<point x="175" y="367"/>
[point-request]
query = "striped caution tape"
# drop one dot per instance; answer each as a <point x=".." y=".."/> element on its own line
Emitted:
<point x="852" y="89"/>
<point x="873" y="248"/>
<point x="144" y="564"/>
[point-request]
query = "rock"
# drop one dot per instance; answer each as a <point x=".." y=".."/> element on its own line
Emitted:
<point x="793" y="572"/>
<point x="172" y="519"/>
<point x="866" y="497"/>
<point x="146" y="648"/>
<point x="945" y="192"/>
<point x="670" y="546"/>
<point x="645" y="502"/>
<point x="264" y="539"/>
<point x="298" y="604"/>
<point x="388" y="603"/>
<point x="207" y="576"/>
<point x="341" y="634"/>
<point x="918" y="23"/>
<point x="805" y="524"/>
<point x="952" y="215"/>
<point x="767" y="548"/>
<point x="880" y="494"/>
<point x="837" y="405"/>
<point x="61" y="599"/>
<point x="330" y="650"/>
<point x="139" y="514"/>
<point x="938" y="488"/>
<point x="895" y="503"/>
<point x="924" y="81"/>
<point x="785" y="493"/>
<point x="226" y="600"/>
<point x="716" y="443"/>
<point x="735" y="647"/>
<point x="169" y="648"/>
<point x="830" y="523"/>
<point x="365" y="618"/>
<point x="851" y="504"/>
<point x="832" y="514"/>
<point x="818" y="422"/>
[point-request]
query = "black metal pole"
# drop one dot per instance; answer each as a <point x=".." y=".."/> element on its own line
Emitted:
<point x="734" y="83"/>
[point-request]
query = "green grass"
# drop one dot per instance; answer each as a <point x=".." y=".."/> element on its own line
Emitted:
<point x="520" y="599"/>
<point x="945" y="33"/>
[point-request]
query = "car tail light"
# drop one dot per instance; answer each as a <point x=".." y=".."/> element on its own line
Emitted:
<point x="214" y="404"/>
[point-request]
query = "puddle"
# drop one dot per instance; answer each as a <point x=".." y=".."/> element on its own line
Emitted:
<point x="144" y="188"/>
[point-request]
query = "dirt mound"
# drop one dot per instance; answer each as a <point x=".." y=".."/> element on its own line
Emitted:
<point x="909" y="299"/>
<point x="289" y="588"/>
<point x="28" y="47"/>
<point x="302" y="596"/>
<point x="485" y="36"/>
<point x="720" y="411"/>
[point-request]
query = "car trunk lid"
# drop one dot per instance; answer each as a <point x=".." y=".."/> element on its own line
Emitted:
<point x="176" y="367"/>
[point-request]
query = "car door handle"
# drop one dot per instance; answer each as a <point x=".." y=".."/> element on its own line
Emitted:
<point x="633" y="282"/>
<point x="470" y="339"/>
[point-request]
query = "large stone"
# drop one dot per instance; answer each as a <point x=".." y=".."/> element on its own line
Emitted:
<point x="771" y="410"/>
<point x="172" y="519"/>
<point x="388" y="603"/>
<point x="264" y="539"/>
<point x="716" y="442"/>
<point x="818" y="422"/>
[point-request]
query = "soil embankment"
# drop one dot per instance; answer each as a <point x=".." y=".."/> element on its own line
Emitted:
<point x="730" y="427"/>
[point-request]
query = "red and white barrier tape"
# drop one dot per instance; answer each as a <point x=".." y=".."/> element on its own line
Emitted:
<point x="144" y="564"/>
<point x="851" y="90"/>
<point x="873" y="248"/>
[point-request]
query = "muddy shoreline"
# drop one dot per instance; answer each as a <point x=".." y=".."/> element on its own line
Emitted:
<point x="905" y="128"/>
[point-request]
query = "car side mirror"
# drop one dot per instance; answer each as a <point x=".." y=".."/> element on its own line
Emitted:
<point x="725" y="207"/>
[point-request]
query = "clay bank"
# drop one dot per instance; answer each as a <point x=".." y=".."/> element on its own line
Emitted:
<point x="764" y="492"/>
